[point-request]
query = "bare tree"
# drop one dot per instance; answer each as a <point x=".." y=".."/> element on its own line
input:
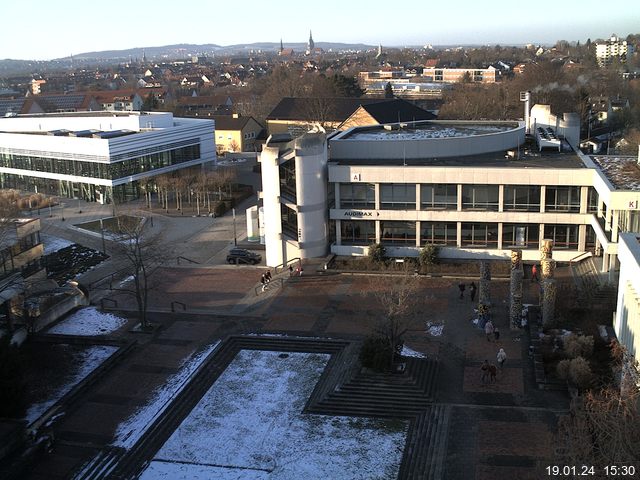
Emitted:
<point x="10" y="277"/>
<point x="141" y="250"/>
<point x="400" y="301"/>
<point x="603" y="426"/>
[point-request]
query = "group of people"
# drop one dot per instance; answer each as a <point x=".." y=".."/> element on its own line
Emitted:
<point x="472" y="290"/>
<point x="489" y="370"/>
<point x="265" y="279"/>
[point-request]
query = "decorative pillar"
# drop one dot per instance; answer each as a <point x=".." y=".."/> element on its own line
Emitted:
<point x="548" y="283"/>
<point x="484" y="295"/>
<point x="515" y="298"/>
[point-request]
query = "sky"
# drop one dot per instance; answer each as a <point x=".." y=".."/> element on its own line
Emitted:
<point x="46" y="29"/>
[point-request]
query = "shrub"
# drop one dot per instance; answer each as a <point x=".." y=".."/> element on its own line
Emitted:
<point x="576" y="371"/>
<point x="375" y="353"/>
<point x="220" y="209"/>
<point x="578" y="346"/>
<point x="377" y="252"/>
<point x="429" y="255"/>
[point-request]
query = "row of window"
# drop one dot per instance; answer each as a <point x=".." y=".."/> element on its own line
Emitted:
<point x="523" y="198"/>
<point x="108" y="171"/>
<point x="484" y="235"/>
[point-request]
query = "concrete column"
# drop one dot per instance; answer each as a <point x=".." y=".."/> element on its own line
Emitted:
<point x="418" y="234"/>
<point x="459" y="197"/>
<point x="543" y="199"/>
<point x="615" y="214"/>
<point x="548" y="301"/>
<point x="500" y="198"/>
<point x="582" y="238"/>
<point x="338" y="232"/>
<point x="499" y="236"/>
<point x="459" y="234"/>
<point x="605" y="262"/>
<point x="515" y="298"/>
<point x="584" y="197"/>
<point x="377" y="196"/>
<point x="607" y="220"/>
<point x="418" y="194"/>
<point x="336" y="194"/>
<point x="600" y="207"/>
<point x="378" y="232"/>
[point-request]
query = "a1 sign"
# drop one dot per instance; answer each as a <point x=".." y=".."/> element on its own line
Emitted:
<point x="355" y="177"/>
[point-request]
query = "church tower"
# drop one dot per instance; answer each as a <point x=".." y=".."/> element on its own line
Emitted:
<point x="310" y="44"/>
<point x="281" y="47"/>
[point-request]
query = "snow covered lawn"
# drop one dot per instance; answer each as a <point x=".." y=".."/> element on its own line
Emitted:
<point x="130" y="431"/>
<point x="88" y="321"/>
<point x="250" y="425"/>
<point x="53" y="244"/>
<point x="84" y="362"/>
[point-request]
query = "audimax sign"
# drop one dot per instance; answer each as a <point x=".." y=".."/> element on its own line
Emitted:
<point x="360" y="213"/>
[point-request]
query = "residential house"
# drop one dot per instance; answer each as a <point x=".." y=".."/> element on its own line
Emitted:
<point x="235" y="133"/>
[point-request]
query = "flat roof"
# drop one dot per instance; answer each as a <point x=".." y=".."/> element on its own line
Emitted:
<point x="427" y="129"/>
<point x="623" y="172"/>
<point x="535" y="159"/>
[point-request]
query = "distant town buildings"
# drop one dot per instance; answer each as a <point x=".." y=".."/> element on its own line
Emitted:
<point x="457" y="75"/>
<point x="613" y="49"/>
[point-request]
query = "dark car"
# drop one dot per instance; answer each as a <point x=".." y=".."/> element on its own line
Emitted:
<point x="240" y="255"/>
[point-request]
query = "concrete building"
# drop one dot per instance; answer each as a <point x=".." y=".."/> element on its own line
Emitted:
<point x="476" y="189"/>
<point x="99" y="156"/>
<point x="611" y="49"/>
<point x="627" y="318"/>
<point x="457" y="75"/>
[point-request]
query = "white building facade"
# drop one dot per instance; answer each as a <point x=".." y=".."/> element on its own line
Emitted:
<point x="614" y="48"/>
<point x="475" y="189"/>
<point x="99" y="156"/>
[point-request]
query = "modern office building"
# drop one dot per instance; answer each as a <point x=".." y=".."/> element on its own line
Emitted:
<point x="627" y="318"/>
<point x="476" y="189"/>
<point x="99" y="156"/>
<point x="457" y="75"/>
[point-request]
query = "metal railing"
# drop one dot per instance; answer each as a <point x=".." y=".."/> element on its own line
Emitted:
<point x="187" y="259"/>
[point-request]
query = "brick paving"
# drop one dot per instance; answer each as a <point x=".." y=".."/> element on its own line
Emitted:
<point x="500" y="430"/>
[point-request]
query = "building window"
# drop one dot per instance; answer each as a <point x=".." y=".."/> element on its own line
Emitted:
<point x="439" y="197"/>
<point x="520" y="236"/>
<point x="398" y="196"/>
<point x="443" y="233"/>
<point x="590" y="238"/>
<point x="288" y="179"/>
<point x="358" y="232"/>
<point x="563" y="236"/>
<point x="480" y="197"/>
<point x="289" y="221"/>
<point x="562" y="199"/>
<point x="480" y="235"/>
<point x="357" y="195"/>
<point x="398" y="233"/>
<point x="521" y="198"/>
<point x="592" y="201"/>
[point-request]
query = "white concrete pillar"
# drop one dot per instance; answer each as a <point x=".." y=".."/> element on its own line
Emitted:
<point x="582" y="238"/>
<point x="459" y="206"/>
<point x="499" y="235"/>
<point x="584" y="197"/>
<point x="500" y="200"/>
<point x="543" y="199"/>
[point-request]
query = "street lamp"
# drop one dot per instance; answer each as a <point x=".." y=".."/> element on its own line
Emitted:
<point x="235" y="239"/>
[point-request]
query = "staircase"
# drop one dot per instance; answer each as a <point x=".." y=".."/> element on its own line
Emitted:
<point x="589" y="282"/>
<point x="425" y="449"/>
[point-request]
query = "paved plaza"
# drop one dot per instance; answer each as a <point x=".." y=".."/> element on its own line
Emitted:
<point x="493" y="430"/>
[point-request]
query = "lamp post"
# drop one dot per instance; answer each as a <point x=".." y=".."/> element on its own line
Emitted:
<point x="104" y="246"/>
<point x="235" y="239"/>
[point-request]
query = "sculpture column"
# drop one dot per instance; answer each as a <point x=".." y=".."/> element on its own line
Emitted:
<point x="517" y="276"/>
<point x="547" y="283"/>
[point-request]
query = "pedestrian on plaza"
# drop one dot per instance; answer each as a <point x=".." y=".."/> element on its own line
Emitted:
<point x="263" y="280"/>
<point x="488" y="330"/>
<point x="496" y="334"/>
<point x="461" y="287"/>
<point x="534" y="273"/>
<point x="291" y="270"/>
<point x="267" y="276"/>
<point x="485" y="371"/>
<point x="501" y="357"/>
<point x="472" y="291"/>
<point x="493" y="371"/>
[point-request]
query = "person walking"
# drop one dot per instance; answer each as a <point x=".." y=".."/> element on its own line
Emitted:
<point x="263" y="280"/>
<point x="485" y="371"/>
<point x="267" y="276"/>
<point x="291" y="270"/>
<point x="496" y="334"/>
<point x="472" y="291"/>
<point x="488" y="330"/>
<point x="461" y="287"/>
<point x="501" y="357"/>
<point x="534" y="273"/>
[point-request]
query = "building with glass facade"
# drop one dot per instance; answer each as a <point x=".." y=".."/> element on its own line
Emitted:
<point x="476" y="189"/>
<point x="99" y="156"/>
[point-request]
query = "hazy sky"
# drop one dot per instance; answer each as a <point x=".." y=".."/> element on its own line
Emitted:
<point x="47" y="29"/>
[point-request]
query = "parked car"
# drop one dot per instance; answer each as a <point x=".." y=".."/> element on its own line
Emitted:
<point x="241" y="255"/>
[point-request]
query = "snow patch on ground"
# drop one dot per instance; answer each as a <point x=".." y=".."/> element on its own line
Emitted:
<point x="53" y="244"/>
<point x="130" y="431"/>
<point x="87" y="361"/>
<point x="88" y="322"/>
<point x="434" y="329"/>
<point x="407" y="352"/>
<point x="251" y="421"/>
